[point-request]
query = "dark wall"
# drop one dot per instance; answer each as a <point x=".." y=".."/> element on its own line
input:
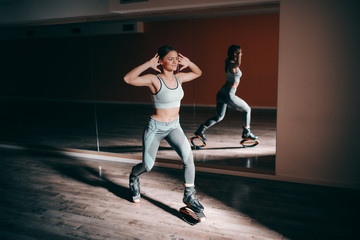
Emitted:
<point x="91" y="68"/>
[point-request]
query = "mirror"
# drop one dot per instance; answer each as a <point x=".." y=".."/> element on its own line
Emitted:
<point x="67" y="92"/>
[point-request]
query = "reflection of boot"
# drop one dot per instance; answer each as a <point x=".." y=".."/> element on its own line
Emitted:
<point x="191" y="201"/>
<point x="200" y="132"/>
<point x="247" y="134"/>
<point x="134" y="185"/>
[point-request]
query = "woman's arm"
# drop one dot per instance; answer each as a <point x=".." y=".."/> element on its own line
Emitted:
<point x="133" y="77"/>
<point x="234" y="65"/>
<point x="238" y="59"/>
<point x="189" y="76"/>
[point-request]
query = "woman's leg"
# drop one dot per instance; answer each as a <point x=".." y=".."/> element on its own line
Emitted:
<point x="220" y="111"/>
<point x="240" y="105"/>
<point x="220" y="114"/>
<point x="151" y="141"/>
<point x="180" y="143"/>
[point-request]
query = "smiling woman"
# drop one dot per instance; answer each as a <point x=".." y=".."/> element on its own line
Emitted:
<point x="167" y="93"/>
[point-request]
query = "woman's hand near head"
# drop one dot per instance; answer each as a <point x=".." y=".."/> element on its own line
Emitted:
<point x="133" y="77"/>
<point x="154" y="63"/>
<point x="188" y="76"/>
<point x="238" y="58"/>
<point x="183" y="61"/>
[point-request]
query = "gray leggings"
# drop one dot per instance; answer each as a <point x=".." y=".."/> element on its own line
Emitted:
<point x="227" y="97"/>
<point x="172" y="132"/>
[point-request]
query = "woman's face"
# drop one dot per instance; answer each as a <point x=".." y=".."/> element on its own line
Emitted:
<point x="170" y="61"/>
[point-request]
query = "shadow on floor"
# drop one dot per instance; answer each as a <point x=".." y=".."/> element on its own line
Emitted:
<point x="79" y="171"/>
<point x="298" y="211"/>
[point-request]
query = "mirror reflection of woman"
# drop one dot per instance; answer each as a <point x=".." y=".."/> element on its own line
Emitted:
<point x="166" y="92"/>
<point x="226" y="96"/>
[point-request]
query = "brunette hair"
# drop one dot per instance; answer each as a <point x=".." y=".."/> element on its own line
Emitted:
<point x="230" y="54"/>
<point x="164" y="50"/>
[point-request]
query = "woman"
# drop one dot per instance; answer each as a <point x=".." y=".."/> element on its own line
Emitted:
<point x="167" y="93"/>
<point x="226" y="96"/>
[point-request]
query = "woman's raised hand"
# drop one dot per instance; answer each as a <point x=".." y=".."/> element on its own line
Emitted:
<point x="154" y="63"/>
<point x="183" y="61"/>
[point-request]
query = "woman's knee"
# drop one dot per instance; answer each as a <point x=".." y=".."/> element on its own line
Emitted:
<point x="148" y="166"/>
<point x="145" y="166"/>
<point x="244" y="107"/>
<point x="219" y="118"/>
<point x="140" y="168"/>
<point x="186" y="153"/>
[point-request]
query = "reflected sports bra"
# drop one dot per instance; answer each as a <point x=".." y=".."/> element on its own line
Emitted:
<point x="233" y="77"/>
<point x="168" y="97"/>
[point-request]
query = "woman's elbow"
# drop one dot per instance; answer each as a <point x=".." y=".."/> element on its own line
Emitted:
<point x="126" y="79"/>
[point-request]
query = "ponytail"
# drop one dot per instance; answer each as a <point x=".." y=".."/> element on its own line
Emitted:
<point x="230" y="54"/>
<point x="227" y="61"/>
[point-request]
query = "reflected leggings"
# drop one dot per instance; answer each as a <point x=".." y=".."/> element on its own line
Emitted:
<point x="227" y="97"/>
<point x="172" y="132"/>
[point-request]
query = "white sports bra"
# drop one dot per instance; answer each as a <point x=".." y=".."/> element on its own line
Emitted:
<point x="168" y="97"/>
<point x="233" y="77"/>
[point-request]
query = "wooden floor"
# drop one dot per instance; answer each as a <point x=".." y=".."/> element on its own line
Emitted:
<point x="50" y="191"/>
<point x="51" y="196"/>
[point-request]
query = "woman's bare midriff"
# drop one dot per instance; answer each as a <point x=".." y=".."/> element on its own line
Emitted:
<point x="166" y="114"/>
<point x="232" y="85"/>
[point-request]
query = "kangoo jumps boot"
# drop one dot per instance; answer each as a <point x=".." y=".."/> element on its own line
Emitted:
<point x="191" y="201"/>
<point x="134" y="185"/>
<point x="201" y="132"/>
<point x="247" y="134"/>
